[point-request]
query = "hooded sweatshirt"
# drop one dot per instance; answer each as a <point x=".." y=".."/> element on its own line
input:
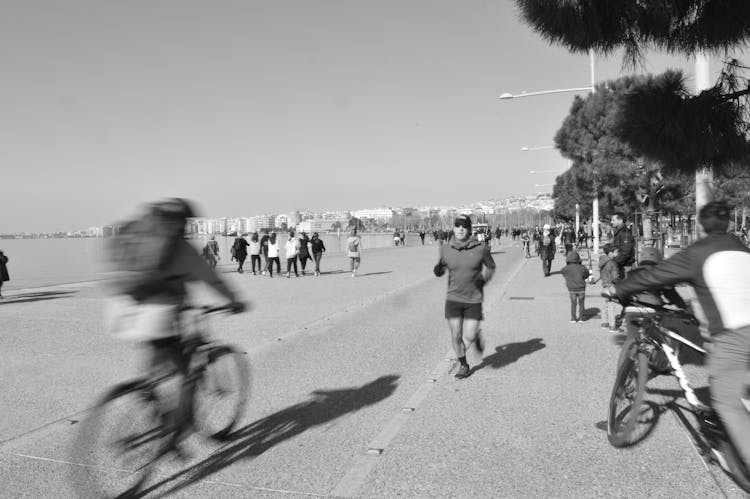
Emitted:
<point x="464" y="260"/>
<point x="575" y="273"/>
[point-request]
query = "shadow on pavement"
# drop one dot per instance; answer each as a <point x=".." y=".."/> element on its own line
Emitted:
<point x="256" y="438"/>
<point x="38" y="296"/>
<point x="591" y="313"/>
<point x="509" y="353"/>
<point x="376" y="273"/>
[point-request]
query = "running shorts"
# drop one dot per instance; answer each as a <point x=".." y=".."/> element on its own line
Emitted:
<point x="454" y="309"/>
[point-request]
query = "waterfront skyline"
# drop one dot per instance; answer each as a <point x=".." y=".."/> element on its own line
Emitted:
<point x="253" y="107"/>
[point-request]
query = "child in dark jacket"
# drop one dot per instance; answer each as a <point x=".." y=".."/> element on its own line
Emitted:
<point x="609" y="274"/>
<point x="575" y="279"/>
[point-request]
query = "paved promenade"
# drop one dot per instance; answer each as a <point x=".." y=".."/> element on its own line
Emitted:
<point x="352" y="394"/>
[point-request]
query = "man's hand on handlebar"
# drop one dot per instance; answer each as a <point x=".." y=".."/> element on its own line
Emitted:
<point x="610" y="292"/>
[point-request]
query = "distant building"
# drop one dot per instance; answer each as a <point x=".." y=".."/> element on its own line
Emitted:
<point x="378" y="214"/>
<point x="318" y="225"/>
<point x="259" y="222"/>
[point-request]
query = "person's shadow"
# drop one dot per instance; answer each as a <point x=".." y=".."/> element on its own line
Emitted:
<point x="509" y="353"/>
<point x="36" y="296"/>
<point x="256" y="438"/>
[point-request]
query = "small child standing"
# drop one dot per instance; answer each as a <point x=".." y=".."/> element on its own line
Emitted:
<point x="575" y="279"/>
<point x="608" y="273"/>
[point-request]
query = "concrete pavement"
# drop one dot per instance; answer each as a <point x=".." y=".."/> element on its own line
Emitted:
<point x="352" y="394"/>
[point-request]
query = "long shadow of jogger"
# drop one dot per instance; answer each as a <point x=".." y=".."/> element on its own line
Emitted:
<point x="256" y="438"/>
<point x="509" y="353"/>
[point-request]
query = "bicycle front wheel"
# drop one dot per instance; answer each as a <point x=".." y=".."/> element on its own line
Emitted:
<point x="118" y="443"/>
<point x="222" y="392"/>
<point x="626" y="401"/>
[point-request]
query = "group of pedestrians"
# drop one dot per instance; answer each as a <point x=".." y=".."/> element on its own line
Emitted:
<point x="298" y="250"/>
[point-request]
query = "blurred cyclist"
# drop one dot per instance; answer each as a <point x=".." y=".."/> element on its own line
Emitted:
<point x="163" y="262"/>
<point x="718" y="267"/>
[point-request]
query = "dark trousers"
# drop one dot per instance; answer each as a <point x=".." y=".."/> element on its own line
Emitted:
<point x="271" y="260"/>
<point x="546" y="266"/>
<point x="303" y="260"/>
<point x="253" y="259"/>
<point x="316" y="259"/>
<point x="241" y="260"/>
<point x="577" y="298"/>
<point x="289" y="263"/>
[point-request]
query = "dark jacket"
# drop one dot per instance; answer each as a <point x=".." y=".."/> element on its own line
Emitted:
<point x="4" y="276"/>
<point x="622" y="239"/>
<point x="547" y="251"/>
<point x="608" y="271"/>
<point x="240" y="247"/>
<point x="317" y="245"/>
<point x="575" y="274"/>
<point x="303" y="252"/>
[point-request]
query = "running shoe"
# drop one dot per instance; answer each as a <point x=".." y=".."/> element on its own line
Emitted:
<point x="463" y="372"/>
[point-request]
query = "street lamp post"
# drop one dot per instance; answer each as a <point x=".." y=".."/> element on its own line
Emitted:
<point x="592" y="89"/>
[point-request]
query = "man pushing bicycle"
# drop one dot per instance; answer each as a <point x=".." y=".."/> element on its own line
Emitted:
<point x="717" y="267"/>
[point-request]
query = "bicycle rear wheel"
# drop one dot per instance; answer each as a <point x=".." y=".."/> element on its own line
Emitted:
<point x="222" y="392"/>
<point x="118" y="443"/>
<point x="626" y="401"/>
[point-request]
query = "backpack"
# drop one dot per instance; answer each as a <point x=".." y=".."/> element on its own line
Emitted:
<point x="141" y="247"/>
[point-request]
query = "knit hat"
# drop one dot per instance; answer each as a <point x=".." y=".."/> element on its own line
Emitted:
<point x="573" y="257"/>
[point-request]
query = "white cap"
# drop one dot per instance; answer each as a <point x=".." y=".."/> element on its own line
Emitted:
<point x="546" y="227"/>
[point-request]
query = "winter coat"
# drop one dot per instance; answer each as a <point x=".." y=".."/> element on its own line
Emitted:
<point x="575" y="274"/>
<point x="4" y="276"/>
<point x="608" y="271"/>
<point x="547" y="251"/>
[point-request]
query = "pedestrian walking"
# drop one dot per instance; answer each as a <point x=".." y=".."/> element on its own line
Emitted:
<point x="318" y="248"/>
<point x="568" y="238"/>
<point x="354" y="251"/>
<point x="304" y="251"/>
<point x="255" y="252"/>
<point x="622" y="239"/>
<point x="211" y="252"/>
<point x="470" y="267"/>
<point x="575" y="280"/>
<point x="402" y="237"/>
<point x="421" y="236"/>
<point x="609" y="275"/>
<point x="547" y="249"/>
<point x="4" y="276"/>
<point x="292" y="250"/>
<point x="396" y="238"/>
<point x="264" y="239"/>
<point x="273" y="255"/>
<point x="239" y="250"/>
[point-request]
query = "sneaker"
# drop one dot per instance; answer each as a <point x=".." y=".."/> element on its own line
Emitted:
<point x="479" y="342"/>
<point x="614" y="331"/>
<point x="604" y="325"/>
<point x="354" y="275"/>
<point x="463" y="372"/>
<point x="573" y="321"/>
<point x="288" y="275"/>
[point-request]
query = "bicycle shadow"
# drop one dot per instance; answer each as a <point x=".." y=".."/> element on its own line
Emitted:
<point x="256" y="438"/>
<point x="509" y="353"/>
<point x="36" y="296"/>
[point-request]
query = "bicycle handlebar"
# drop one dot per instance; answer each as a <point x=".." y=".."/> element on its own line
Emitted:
<point x="680" y="314"/>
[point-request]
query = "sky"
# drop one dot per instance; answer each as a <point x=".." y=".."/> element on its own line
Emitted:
<point x="251" y="107"/>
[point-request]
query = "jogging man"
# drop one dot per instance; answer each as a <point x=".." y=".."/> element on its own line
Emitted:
<point x="717" y="267"/>
<point x="470" y="266"/>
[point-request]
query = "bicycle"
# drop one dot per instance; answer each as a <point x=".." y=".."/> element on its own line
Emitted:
<point x="135" y="423"/>
<point x="635" y="368"/>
